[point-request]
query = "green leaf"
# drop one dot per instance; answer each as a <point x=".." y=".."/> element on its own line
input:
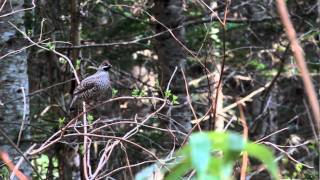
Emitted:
<point x="208" y="177"/>
<point x="78" y="62"/>
<point x="235" y="145"/>
<point x="257" y="64"/>
<point x="236" y="142"/>
<point x="213" y="155"/>
<point x="138" y="93"/>
<point x="175" y="99"/>
<point x="263" y="154"/>
<point x="127" y="14"/>
<point x="81" y="149"/>
<point x="4" y="172"/>
<point x="298" y="167"/>
<point x="61" y="121"/>
<point x="114" y="92"/>
<point x="90" y="118"/>
<point x="179" y="170"/>
<point x="214" y="34"/>
<point x="218" y="139"/>
<point x="50" y="46"/>
<point x="231" y="144"/>
<point x="200" y="152"/>
<point x="135" y="93"/>
<point x="226" y="169"/>
<point x="167" y="93"/>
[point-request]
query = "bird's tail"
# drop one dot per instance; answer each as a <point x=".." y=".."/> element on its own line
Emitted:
<point x="74" y="99"/>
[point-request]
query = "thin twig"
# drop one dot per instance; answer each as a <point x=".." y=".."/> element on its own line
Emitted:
<point x="287" y="154"/>
<point x="233" y="105"/>
<point x="245" y="136"/>
<point x="189" y="98"/>
<point x="17" y="11"/>
<point x="52" y="50"/>
<point x="23" y="116"/>
<point x="283" y="129"/>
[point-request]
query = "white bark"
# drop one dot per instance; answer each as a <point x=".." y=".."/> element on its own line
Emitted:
<point x="13" y="82"/>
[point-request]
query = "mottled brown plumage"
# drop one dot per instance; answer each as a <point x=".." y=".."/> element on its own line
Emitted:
<point x="94" y="87"/>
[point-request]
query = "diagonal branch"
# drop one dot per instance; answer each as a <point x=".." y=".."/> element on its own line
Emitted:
<point x="301" y="62"/>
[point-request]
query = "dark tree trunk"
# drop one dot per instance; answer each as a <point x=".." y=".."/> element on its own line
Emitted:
<point x="70" y="165"/>
<point x="171" y="54"/>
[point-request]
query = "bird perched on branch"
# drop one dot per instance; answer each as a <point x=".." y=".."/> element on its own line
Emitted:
<point x="94" y="87"/>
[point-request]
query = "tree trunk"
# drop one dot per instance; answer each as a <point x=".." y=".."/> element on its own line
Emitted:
<point x="70" y="168"/>
<point x="14" y="84"/>
<point x="171" y="54"/>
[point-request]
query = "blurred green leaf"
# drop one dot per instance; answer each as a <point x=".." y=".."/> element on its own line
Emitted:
<point x="78" y="62"/>
<point x="263" y="154"/>
<point x="213" y="155"/>
<point x="179" y="170"/>
<point x="138" y="93"/>
<point x="298" y="167"/>
<point x="200" y="152"/>
<point x="257" y="64"/>
<point x="4" y="172"/>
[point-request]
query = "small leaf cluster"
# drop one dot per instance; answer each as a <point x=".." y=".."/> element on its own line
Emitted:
<point x="42" y="163"/>
<point x="61" y="121"/>
<point x="114" y="92"/>
<point x="173" y="98"/>
<point x="90" y="118"/>
<point x="138" y="93"/>
<point x="51" y="46"/>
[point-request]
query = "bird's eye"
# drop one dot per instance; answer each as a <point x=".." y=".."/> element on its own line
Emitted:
<point x="106" y="68"/>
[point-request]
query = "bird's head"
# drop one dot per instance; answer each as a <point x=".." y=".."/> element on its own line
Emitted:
<point x="105" y="65"/>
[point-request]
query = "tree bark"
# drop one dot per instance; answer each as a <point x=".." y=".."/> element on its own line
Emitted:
<point x="70" y="166"/>
<point x="14" y="84"/>
<point x="171" y="54"/>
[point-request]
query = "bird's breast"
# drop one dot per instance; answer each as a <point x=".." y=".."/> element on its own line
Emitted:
<point x="103" y="81"/>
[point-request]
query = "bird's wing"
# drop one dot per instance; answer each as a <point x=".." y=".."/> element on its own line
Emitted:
<point x="86" y="85"/>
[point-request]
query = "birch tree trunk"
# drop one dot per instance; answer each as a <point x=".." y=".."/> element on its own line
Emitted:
<point x="14" y="84"/>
